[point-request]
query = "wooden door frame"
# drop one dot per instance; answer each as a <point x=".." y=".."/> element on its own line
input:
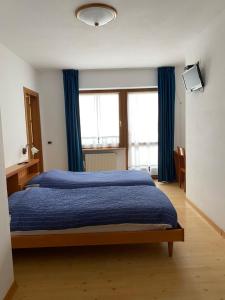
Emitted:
<point x="38" y="143"/>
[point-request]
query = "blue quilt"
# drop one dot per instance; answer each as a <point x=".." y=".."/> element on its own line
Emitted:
<point x="72" y="180"/>
<point x="50" y="209"/>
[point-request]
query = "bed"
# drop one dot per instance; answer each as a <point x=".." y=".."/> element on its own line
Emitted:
<point x="47" y="217"/>
<point x="72" y="180"/>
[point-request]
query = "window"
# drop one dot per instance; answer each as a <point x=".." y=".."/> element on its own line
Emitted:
<point x="99" y="117"/>
<point x="143" y="131"/>
<point x="122" y="118"/>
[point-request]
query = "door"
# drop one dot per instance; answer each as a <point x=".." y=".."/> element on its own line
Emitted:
<point x="143" y="131"/>
<point x="33" y="125"/>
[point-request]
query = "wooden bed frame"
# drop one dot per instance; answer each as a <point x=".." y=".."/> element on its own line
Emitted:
<point x="99" y="238"/>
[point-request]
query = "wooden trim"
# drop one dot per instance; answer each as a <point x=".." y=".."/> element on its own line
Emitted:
<point x="30" y="92"/>
<point x="99" y="91"/>
<point x="11" y="291"/>
<point x="99" y="149"/>
<point x="207" y="219"/>
<point x="123" y="123"/>
<point x="27" y="99"/>
<point x="98" y="238"/>
<point x="129" y="90"/>
<point x="137" y="90"/>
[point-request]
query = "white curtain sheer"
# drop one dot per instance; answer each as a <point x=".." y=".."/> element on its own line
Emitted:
<point x="143" y="131"/>
<point x="99" y="117"/>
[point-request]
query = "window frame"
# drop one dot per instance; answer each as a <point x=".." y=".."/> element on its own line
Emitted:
<point x="123" y="117"/>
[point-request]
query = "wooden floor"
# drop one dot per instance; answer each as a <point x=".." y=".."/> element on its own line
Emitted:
<point x="137" y="272"/>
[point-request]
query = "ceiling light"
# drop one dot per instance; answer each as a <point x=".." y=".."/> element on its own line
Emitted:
<point x="96" y="14"/>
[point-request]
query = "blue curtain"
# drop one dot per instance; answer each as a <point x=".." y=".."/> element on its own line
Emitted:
<point x="166" y="90"/>
<point x="71" y="94"/>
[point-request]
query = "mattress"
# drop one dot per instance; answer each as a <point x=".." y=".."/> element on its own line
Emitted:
<point x="56" y="209"/>
<point x="71" y="180"/>
<point x="98" y="228"/>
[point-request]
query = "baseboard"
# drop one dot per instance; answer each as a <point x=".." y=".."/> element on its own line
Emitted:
<point x="208" y="220"/>
<point x="11" y="291"/>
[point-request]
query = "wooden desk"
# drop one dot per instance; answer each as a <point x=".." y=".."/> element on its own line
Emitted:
<point x="17" y="176"/>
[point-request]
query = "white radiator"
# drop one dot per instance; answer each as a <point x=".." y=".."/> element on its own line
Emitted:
<point x="100" y="161"/>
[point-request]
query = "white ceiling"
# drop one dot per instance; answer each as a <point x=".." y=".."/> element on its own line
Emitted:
<point x="147" y="33"/>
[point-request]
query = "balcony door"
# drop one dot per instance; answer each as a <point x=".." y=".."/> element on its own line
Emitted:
<point x="142" y="110"/>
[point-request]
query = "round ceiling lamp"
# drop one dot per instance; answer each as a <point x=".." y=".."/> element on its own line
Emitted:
<point x="96" y="14"/>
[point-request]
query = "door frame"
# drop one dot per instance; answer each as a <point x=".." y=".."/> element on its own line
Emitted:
<point x="37" y="139"/>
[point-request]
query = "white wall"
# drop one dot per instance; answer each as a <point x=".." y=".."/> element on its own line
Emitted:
<point x="179" y="134"/>
<point x="6" y="267"/>
<point x="205" y="124"/>
<point x="117" y="78"/>
<point x="53" y="120"/>
<point x="53" y="113"/>
<point x="14" y="75"/>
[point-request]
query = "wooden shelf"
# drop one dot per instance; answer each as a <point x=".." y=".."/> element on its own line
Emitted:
<point x="19" y="167"/>
<point x="19" y="175"/>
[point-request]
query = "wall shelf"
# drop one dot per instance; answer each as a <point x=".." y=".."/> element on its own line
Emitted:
<point x="17" y="176"/>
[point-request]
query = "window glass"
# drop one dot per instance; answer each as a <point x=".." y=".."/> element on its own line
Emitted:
<point x="99" y="116"/>
<point x="143" y="131"/>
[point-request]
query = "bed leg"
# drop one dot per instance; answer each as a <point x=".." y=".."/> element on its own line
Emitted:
<point x="170" y="249"/>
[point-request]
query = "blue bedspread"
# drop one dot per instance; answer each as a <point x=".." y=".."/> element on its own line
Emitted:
<point x="72" y="180"/>
<point x="50" y="209"/>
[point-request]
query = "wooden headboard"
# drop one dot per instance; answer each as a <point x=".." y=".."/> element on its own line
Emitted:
<point x="17" y="176"/>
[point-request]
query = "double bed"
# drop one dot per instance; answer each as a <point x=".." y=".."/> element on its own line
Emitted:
<point x="66" y="210"/>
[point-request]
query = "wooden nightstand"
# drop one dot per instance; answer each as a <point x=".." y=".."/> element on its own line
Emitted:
<point x="19" y="175"/>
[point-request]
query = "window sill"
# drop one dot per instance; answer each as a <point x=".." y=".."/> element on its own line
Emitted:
<point x="86" y="150"/>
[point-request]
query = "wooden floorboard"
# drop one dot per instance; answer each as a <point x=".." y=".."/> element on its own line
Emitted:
<point x="135" y="272"/>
